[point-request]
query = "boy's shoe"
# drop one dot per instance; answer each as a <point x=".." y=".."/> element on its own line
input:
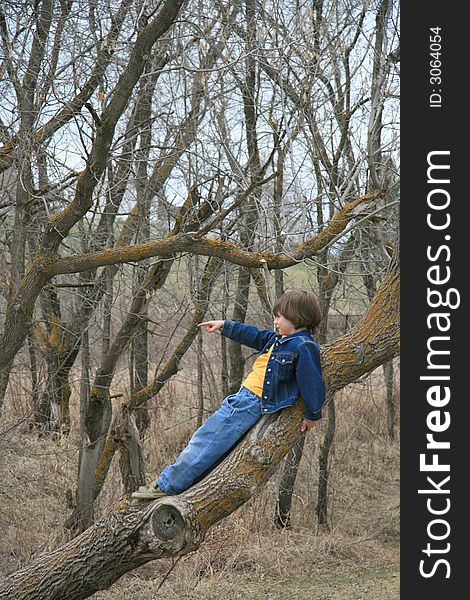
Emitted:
<point x="149" y="492"/>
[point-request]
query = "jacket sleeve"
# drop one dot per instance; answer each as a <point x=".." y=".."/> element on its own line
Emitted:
<point x="249" y="335"/>
<point x="310" y="380"/>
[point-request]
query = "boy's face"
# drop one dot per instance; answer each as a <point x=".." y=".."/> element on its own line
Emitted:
<point x="283" y="325"/>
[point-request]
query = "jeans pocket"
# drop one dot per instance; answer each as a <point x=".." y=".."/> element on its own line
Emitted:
<point x="231" y="403"/>
<point x="244" y="401"/>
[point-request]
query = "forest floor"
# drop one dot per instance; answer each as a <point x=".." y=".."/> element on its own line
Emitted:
<point x="366" y="582"/>
<point x="354" y="557"/>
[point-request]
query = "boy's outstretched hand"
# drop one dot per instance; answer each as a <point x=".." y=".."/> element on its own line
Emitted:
<point x="307" y="425"/>
<point x="212" y="326"/>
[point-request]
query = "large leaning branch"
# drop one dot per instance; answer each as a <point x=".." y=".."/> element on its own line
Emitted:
<point x="136" y="533"/>
<point x="195" y="244"/>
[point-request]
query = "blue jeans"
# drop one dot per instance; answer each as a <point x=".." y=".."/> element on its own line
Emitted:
<point x="211" y="442"/>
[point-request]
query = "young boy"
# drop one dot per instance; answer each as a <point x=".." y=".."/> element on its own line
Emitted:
<point x="289" y="365"/>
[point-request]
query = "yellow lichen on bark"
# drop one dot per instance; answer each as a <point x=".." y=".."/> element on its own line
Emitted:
<point x="375" y="339"/>
<point x="336" y="225"/>
<point x="56" y="337"/>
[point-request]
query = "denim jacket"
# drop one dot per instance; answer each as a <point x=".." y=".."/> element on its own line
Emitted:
<point x="293" y="369"/>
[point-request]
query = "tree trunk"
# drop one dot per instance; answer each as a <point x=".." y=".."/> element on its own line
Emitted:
<point x="200" y="381"/>
<point x="140" y="353"/>
<point x="323" y="470"/>
<point x="4" y="379"/>
<point x="224" y="376"/>
<point x="127" y="439"/>
<point x="373" y="341"/>
<point x="34" y="371"/>
<point x="389" y="398"/>
<point x="62" y="348"/>
<point x="237" y="360"/>
<point x="139" y="365"/>
<point x="97" y="442"/>
<point x="248" y="210"/>
<point x="286" y="485"/>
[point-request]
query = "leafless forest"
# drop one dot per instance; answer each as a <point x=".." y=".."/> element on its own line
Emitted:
<point x="161" y="163"/>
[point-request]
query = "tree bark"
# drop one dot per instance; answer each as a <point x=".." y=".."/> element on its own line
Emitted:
<point x="126" y="436"/>
<point x="53" y="410"/>
<point x="323" y="470"/>
<point x="373" y="341"/>
<point x="200" y="380"/>
<point x="286" y="486"/>
<point x="237" y="360"/>
<point x="136" y="533"/>
<point x="4" y="379"/>
<point x="389" y="398"/>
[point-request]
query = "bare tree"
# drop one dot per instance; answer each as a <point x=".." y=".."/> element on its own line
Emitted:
<point x="248" y="134"/>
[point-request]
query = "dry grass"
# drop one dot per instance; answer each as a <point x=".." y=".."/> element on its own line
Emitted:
<point x="243" y="557"/>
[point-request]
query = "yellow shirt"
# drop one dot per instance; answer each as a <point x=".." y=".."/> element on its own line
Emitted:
<point x="254" y="381"/>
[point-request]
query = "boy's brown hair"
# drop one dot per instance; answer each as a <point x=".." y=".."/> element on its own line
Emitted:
<point x="301" y="308"/>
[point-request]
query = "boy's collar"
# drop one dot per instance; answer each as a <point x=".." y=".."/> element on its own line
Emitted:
<point x="302" y="332"/>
